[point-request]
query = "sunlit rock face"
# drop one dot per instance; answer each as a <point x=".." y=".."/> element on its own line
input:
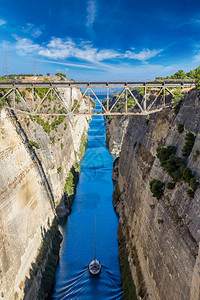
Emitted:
<point x="31" y="188"/>
<point x="163" y="255"/>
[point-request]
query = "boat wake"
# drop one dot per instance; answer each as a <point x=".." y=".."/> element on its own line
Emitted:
<point x="75" y="287"/>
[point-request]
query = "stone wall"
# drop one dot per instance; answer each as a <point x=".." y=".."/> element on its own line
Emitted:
<point x="163" y="257"/>
<point x="30" y="189"/>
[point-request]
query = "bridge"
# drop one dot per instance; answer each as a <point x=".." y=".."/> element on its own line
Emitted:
<point x="24" y="97"/>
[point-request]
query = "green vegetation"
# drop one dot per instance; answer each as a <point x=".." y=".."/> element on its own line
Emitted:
<point x="109" y="118"/>
<point x="147" y="119"/>
<point x="61" y="75"/>
<point x="65" y="126"/>
<point x="47" y="127"/>
<point x="69" y="184"/>
<point x="52" y="139"/>
<point x="157" y="188"/>
<point x="190" y="193"/>
<point x="23" y="93"/>
<point x="189" y="142"/>
<point x="185" y="76"/>
<point x="172" y="164"/>
<point x="170" y="185"/>
<point x="160" y="221"/>
<point x="83" y="145"/>
<point x="61" y="146"/>
<point x="74" y="105"/>
<point x="187" y="175"/>
<point x="2" y="103"/>
<point x="32" y="144"/>
<point x="193" y="183"/>
<point x="196" y="155"/>
<point x="180" y="127"/>
<point x="152" y="206"/>
<point x="42" y="92"/>
<point x="176" y="168"/>
<point x="164" y="154"/>
<point x="177" y="100"/>
<point x="59" y="169"/>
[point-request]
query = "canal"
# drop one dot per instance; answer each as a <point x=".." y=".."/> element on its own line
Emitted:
<point x="93" y="198"/>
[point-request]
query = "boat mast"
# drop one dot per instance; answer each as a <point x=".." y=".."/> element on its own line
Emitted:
<point x="95" y="237"/>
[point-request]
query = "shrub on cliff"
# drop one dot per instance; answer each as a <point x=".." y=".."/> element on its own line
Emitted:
<point x="59" y="169"/>
<point x="83" y="145"/>
<point x="164" y="153"/>
<point x="187" y="175"/>
<point x="69" y="185"/>
<point x="189" y="142"/>
<point x="177" y="100"/>
<point x="173" y="165"/>
<point x="193" y="183"/>
<point x="170" y="185"/>
<point x="2" y="103"/>
<point x="32" y="144"/>
<point x="180" y="127"/>
<point x="157" y="188"/>
<point x="196" y="155"/>
<point x="190" y="193"/>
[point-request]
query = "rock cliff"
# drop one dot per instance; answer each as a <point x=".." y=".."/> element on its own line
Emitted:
<point x="32" y="180"/>
<point x="161" y="236"/>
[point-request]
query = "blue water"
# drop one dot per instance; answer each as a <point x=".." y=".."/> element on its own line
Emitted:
<point x="93" y="198"/>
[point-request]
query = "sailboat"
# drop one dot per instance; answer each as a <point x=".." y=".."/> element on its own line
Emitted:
<point x="94" y="266"/>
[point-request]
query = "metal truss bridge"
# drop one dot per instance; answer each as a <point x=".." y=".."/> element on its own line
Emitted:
<point x="25" y="97"/>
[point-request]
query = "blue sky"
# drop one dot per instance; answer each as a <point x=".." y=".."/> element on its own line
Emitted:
<point x="100" y="39"/>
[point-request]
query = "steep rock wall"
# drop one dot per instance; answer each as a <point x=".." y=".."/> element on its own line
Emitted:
<point x="115" y="132"/>
<point x="30" y="189"/>
<point x="163" y="257"/>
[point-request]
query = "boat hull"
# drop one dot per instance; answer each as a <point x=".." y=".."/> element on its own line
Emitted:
<point x="94" y="267"/>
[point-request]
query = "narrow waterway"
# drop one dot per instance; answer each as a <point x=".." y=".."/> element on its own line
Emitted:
<point x="93" y="198"/>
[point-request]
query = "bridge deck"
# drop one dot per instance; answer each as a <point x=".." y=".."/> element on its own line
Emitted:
<point x="97" y="84"/>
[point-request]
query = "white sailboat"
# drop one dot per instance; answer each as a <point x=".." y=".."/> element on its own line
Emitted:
<point x="95" y="265"/>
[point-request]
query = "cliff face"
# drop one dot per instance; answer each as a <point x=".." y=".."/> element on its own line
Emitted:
<point x="115" y="133"/>
<point x="163" y="255"/>
<point x="31" y="187"/>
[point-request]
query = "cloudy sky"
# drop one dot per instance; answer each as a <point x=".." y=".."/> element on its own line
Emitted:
<point x="100" y="39"/>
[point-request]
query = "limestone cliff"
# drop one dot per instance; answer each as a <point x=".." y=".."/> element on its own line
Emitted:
<point x="32" y="180"/>
<point x="162" y="237"/>
<point x="115" y="132"/>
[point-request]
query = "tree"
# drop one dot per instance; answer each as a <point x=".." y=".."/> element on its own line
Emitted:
<point x="157" y="188"/>
<point x="180" y="74"/>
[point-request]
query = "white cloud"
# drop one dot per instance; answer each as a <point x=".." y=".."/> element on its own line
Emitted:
<point x="143" y="55"/>
<point x="26" y="46"/>
<point x="58" y="48"/>
<point x="2" y="22"/>
<point x="75" y="65"/>
<point x="36" y="32"/>
<point x="33" y="30"/>
<point x="91" y="13"/>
